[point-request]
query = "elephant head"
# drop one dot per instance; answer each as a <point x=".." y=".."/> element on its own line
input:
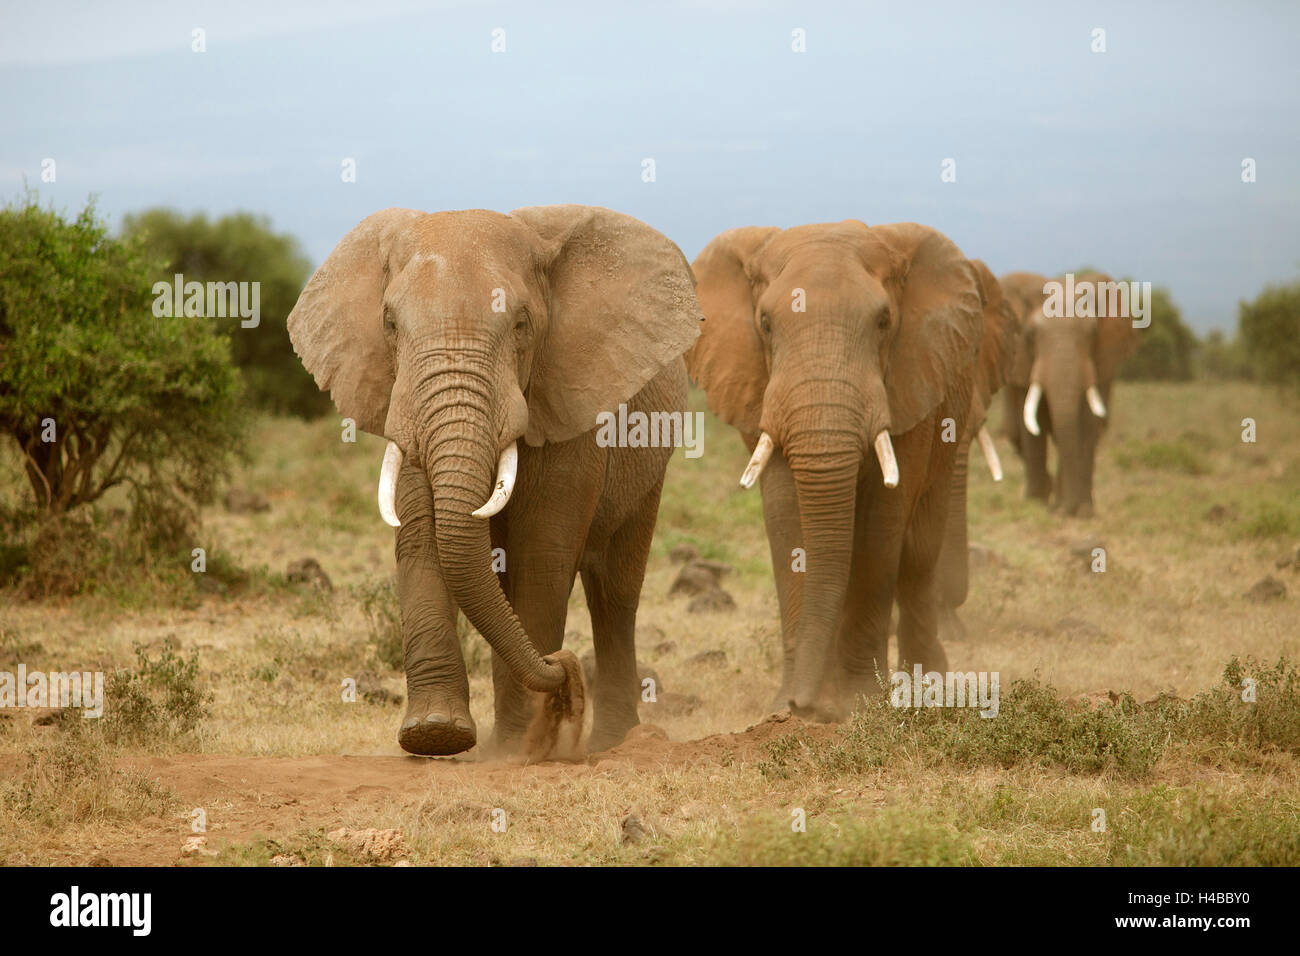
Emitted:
<point x="1068" y="362"/>
<point x="823" y="341"/>
<point x="457" y="334"/>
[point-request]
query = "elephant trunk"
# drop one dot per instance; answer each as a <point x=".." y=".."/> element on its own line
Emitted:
<point x="461" y="455"/>
<point x="826" y="480"/>
<point x="1065" y="395"/>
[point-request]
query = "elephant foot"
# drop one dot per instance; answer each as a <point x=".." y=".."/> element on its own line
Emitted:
<point x="951" y="627"/>
<point x="605" y="735"/>
<point x="436" y="727"/>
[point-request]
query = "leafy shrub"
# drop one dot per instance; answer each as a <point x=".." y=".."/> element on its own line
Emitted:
<point x="158" y="700"/>
<point x="127" y="397"/>
<point x="242" y="247"/>
<point x="1165" y="348"/>
<point x="1269" y="329"/>
<point x="1035" y="727"/>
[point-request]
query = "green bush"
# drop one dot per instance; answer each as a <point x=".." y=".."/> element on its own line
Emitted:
<point x="1269" y="329"/>
<point x="97" y="392"/>
<point x="1165" y="348"/>
<point x="158" y="700"/>
<point x="242" y="247"/>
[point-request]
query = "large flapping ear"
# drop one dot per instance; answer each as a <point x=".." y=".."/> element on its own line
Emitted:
<point x="1116" y="338"/>
<point x="1023" y="292"/>
<point x="998" y="345"/>
<point x="621" y="307"/>
<point x="337" y="325"/>
<point x="940" y="321"/>
<point x="727" y="361"/>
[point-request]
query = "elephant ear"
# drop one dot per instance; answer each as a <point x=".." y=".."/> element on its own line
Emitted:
<point x="1023" y="292"/>
<point x="336" y="327"/>
<point x="1116" y="339"/>
<point x="727" y="361"/>
<point x="997" y="346"/>
<point x="940" y="321"/>
<point x="622" y="307"/>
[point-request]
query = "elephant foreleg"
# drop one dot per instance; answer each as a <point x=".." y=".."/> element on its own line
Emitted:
<point x="784" y="535"/>
<point x="918" y="617"/>
<point x="437" y="720"/>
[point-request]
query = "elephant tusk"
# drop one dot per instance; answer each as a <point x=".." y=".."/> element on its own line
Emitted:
<point x="1031" y="408"/>
<point x="507" y="468"/>
<point x="388" y="484"/>
<point x="888" y="463"/>
<point x="990" y="453"/>
<point x="1095" y="403"/>
<point x="757" y="461"/>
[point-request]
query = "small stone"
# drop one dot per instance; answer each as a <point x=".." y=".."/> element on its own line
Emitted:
<point x="197" y="846"/>
<point x="308" y="571"/>
<point x="1218" y="514"/>
<point x="715" y="599"/>
<point x="241" y="501"/>
<point x="1266" y="589"/>
<point x="682" y="553"/>
<point x="372" y="690"/>
<point x="710" y="658"/>
<point x="693" y="579"/>
<point x="378" y="845"/>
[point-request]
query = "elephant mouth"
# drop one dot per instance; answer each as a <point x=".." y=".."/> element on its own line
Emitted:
<point x="766" y="445"/>
<point x="502" y="488"/>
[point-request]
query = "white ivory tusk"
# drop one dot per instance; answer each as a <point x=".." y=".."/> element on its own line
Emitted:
<point x="990" y="453"/>
<point x="388" y="484"/>
<point x="507" y="468"/>
<point x="1095" y="403"/>
<point x="1031" y="407"/>
<point x="762" y="452"/>
<point x="888" y="463"/>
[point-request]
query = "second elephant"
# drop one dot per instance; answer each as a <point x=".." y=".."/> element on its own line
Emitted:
<point x="839" y="351"/>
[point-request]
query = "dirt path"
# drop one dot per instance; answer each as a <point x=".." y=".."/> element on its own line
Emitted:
<point x="244" y="797"/>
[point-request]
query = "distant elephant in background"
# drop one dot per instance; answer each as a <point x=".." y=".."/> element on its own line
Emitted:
<point x="456" y="335"/>
<point x="1070" y="362"/>
<point x="838" y="350"/>
<point x="992" y="366"/>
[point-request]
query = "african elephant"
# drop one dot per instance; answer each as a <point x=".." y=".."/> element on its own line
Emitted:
<point x="993" y="364"/>
<point x="1071" y="361"/>
<point x="838" y="350"/>
<point x="484" y="347"/>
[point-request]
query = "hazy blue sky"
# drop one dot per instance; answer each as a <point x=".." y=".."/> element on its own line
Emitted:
<point x="1129" y="160"/>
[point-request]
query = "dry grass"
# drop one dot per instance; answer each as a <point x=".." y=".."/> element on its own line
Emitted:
<point x="1166" y="616"/>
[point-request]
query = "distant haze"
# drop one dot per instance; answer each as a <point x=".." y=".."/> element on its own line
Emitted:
<point x="1128" y="160"/>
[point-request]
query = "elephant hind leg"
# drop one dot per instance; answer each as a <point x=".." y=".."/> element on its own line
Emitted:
<point x="613" y="589"/>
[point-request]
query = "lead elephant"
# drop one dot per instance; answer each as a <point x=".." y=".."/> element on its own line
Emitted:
<point x="838" y="351"/>
<point x="992" y="366"/>
<point x="484" y="347"/>
<point x="1060" y="386"/>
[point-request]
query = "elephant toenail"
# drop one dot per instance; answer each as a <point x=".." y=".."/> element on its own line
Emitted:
<point x="410" y="722"/>
<point x="462" y="723"/>
<point x="437" y="719"/>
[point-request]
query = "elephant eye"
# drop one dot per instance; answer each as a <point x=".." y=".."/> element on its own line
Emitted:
<point x="765" y="323"/>
<point x="521" y="321"/>
<point x="882" y="321"/>
<point x="390" y="323"/>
